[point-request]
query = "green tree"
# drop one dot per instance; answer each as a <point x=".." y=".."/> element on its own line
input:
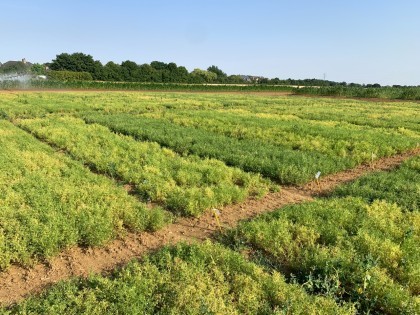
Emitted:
<point x="158" y="65"/>
<point x="77" y="62"/>
<point x="203" y="76"/>
<point x="172" y="66"/>
<point x="179" y="75"/>
<point x="221" y="76"/>
<point x="38" y="69"/>
<point x="149" y="74"/>
<point x="98" y="71"/>
<point x="112" y="72"/>
<point x="235" y="79"/>
<point x="130" y="71"/>
<point x="275" y="81"/>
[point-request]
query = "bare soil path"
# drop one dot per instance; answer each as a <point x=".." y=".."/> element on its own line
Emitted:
<point x="17" y="282"/>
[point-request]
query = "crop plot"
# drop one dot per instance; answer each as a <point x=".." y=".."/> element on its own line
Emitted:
<point x="401" y="186"/>
<point x="281" y="164"/>
<point x="186" y="279"/>
<point x="184" y="185"/>
<point x="49" y="202"/>
<point x="345" y="248"/>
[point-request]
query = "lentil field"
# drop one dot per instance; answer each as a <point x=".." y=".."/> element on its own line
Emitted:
<point x="85" y="169"/>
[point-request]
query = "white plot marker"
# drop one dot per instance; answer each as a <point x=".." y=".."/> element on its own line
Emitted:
<point x="216" y="214"/>
<point x="317" y="175"/>
<point x="372" y="158"/>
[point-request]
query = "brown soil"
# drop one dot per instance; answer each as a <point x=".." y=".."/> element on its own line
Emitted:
<point x="17" y="282"/>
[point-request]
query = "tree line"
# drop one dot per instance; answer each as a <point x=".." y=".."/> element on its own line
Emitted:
<point x="80" y="66"/>
<point x="161" y="72"/>
<point x="130" y="71"/>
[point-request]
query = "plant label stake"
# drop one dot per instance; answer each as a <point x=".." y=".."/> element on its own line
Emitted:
<point x="317" y="175"/>
<point x="372" y="158"/>
<point x="216" y="214"/>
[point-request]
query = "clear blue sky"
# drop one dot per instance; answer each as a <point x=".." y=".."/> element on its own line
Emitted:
<point x="359" y="41"/>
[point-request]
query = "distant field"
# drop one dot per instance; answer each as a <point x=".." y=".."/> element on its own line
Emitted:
<point x="83" y="168"/>
<point x="397" y="93"/>
<point x="139" y="86"/>
<point x="385" y="92"/>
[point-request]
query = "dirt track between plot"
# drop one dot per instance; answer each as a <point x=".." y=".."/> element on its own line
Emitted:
<point x="17" y="282"/>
